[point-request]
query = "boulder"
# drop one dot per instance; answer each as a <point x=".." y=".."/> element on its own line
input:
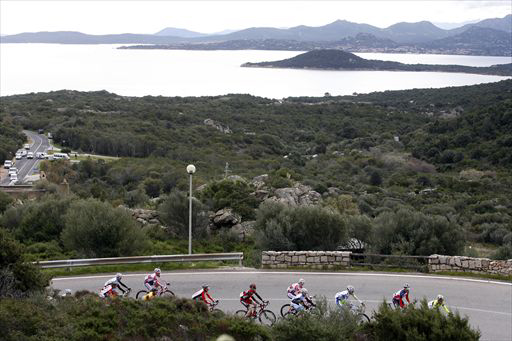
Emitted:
<point x="225" y="218"/>
<point x="299" y="195"/>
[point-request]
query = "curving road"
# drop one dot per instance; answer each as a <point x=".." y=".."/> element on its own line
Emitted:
<point x="26" y="166"/>
<point x="488" y="304"/>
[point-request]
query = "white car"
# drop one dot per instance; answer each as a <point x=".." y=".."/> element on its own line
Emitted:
<point x="13" y="177"/>
<point x="7" y="164"/>
<point x="26" y="146"/>
<point x="18" y="156"/>
<point x="40" y="155"/>
<point x="24" y="153"/>
<point x="13" y="170"/>
<point x="58" y="156"/>
<point x="30" y="155"/>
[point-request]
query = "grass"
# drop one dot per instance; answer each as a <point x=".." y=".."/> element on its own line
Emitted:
<point x="169" y="266"/>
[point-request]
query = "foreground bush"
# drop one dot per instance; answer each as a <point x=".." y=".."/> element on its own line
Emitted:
<point x="418" y="324"/>
<point x="89" y="318"/>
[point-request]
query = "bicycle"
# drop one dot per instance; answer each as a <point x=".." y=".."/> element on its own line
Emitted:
<point x="265" y="316"/>
<point x="113" y="294"/>
<point x="358" y="311"/>
<point x="162" y="290"/>
<point x="288" y="309"/>
<point x="215" y="311"/>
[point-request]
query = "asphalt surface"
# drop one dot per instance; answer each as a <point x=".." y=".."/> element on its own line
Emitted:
<point x="26" y="166"/>
<point x="488" y="304"/>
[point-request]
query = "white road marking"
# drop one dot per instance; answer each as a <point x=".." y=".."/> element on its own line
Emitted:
<point x="298" y="273"/>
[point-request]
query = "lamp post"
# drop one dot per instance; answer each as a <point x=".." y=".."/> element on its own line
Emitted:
<point x="191" y="169"/>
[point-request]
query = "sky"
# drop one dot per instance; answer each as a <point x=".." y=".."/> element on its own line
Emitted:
<point x="103" y="17"/>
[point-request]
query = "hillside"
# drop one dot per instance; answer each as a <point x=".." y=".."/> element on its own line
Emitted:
<point x="341" y="60"/>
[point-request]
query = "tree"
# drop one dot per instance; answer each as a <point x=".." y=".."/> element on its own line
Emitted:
<point x="375" y="179"/>
<point x="174" y="212"/>
<point x="233" y="194"/>
<point x="5" y="201"/>
<point x="17" y="277"/>
<point x="96" y="229"/>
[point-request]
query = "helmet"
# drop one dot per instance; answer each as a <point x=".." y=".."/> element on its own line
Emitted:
<point x="406" y="286"/>
<point x="119" y="276"/>
<point x="157" y="271"/>
<point x="252" y="286"/>
<point x="440" y="298"/>
<point x="205" y="286"/>
<point x="301" y="281"/>
<point x="305" y="291"/>
<point x="350" y="289"/>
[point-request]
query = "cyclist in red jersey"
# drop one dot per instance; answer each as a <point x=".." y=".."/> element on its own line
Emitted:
<point x="250" y="302"/>
<point x="203" y="295"/>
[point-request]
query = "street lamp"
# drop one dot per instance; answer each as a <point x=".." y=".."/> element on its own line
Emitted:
<point x="191" y="169"/>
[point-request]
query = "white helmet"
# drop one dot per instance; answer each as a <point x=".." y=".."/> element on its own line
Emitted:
<point x="119" y="276"/>
<point x="301" y="281"/>
<point x="157" y="271"/>
<point x="350" y="289"/>
<point x="406" y="286"/>
<point x="440" y="298"/>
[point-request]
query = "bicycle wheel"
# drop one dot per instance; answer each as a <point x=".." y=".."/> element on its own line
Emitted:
<point x="167" y="293"/>
<point x="217" y="312"/>
<point x="140" y="294"/>
<point x="240" y="313"/>
<point x="285" y="308"/>
<point x="363" y="318"/>
<point x="290" y="314"/>
<point x="267" y="317"/>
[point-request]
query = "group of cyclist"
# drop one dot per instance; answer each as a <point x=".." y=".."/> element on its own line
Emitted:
<point x="296" y="292"/>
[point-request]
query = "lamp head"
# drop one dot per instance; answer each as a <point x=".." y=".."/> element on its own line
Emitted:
<point x="191" y="169"/>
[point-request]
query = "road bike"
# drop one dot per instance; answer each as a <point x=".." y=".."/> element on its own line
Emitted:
<point x="287" y="309"/>
<point x="113" y="294"/>
<point x="162" y="291"/>
<point x="265" y="316"/>
<point x="215" y="311"/>
<point x="358" y="310"/>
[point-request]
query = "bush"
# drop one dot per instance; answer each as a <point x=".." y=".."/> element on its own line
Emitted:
<point x="96" y="229"/>
<point x="174" y="212"/>
<point x="418" y="323"/>
<point x="279" y="227"/>
<point x="17" y="277"/>
<point x="414" y="233"/>
<point x="232" y="194"/>
<point x="5" y="201"/>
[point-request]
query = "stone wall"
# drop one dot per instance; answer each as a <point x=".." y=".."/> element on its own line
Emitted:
<point x="467" y="264"/>
<point x="309" y="259"/>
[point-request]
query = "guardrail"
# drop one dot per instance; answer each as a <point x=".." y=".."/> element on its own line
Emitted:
<point x="233" y="256"/>
<point x="389" y="261"/>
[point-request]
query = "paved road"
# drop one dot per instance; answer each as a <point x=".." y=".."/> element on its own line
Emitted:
<point x="487" y="303"/>
<point x="30" y="166"/>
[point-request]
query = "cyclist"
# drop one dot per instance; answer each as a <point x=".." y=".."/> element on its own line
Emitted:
<point x="341" y="298"/>
<point x="203" y="295"/>
<point x="302" y="300"/>
<point x="438" y="302"/>
<point x="250" y="302"/>
<point x="151" y="281"/>
<point x="399" y="295"/>
<point x="117" y="280"/>
<point x="108" y="290"/>
<point x="295" y="289"/>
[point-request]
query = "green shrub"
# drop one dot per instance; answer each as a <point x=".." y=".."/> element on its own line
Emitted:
<point x="96" y="229"/>
<point x="174" y="212"/>
<point x="5" y="201"/>
<point x="232" y="194"/>
<point x="281" y="227"/>
<point x="418" y="323"/>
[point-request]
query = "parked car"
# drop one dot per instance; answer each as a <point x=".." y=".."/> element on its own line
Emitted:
<point x="26" y="146"/>
<point x="18" y="156"/>
<point x="13" y="170"/>
<point x="30" y="155"/>
<point x="23" y="153"/>
<point x="40" y="155"/>
<point x="13" y="177"/>
<point x="7" y="164"/>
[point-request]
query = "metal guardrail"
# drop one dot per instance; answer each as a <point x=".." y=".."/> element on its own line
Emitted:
<point x="389" y="261"/>
<point x="233" y="256"/>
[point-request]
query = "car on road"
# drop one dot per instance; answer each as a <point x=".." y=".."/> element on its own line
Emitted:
<point x="30" y="155"/>
<point x="58" y="156"/>
<point x="13" y="170"/>
<point x="23" y="153"/>
<point x="7" y="164"/>
<point x="26" y="146"/>
<point x="18" y="156"/>
<point x="13" y="177"/>
<point x="40" y="155"/>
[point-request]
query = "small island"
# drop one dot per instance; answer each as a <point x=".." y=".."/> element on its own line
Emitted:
<point x="345" y="61"/>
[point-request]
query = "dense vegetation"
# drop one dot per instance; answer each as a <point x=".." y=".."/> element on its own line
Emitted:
<point x="341" y="60"/>
<point x="85" y="317"/>
<point x="403" y="171"/>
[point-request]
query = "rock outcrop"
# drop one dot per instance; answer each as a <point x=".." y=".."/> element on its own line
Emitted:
<point x="296" y="196"/>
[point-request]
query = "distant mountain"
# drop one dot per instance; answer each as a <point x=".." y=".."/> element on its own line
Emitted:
<point x="475" y="40"/>
<point x="502" y="24"/>
<point x="69" y="37"/>
<point x="179" y="32"/>
<point x="414" y="32"/>
<point x="340" y="60"/>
